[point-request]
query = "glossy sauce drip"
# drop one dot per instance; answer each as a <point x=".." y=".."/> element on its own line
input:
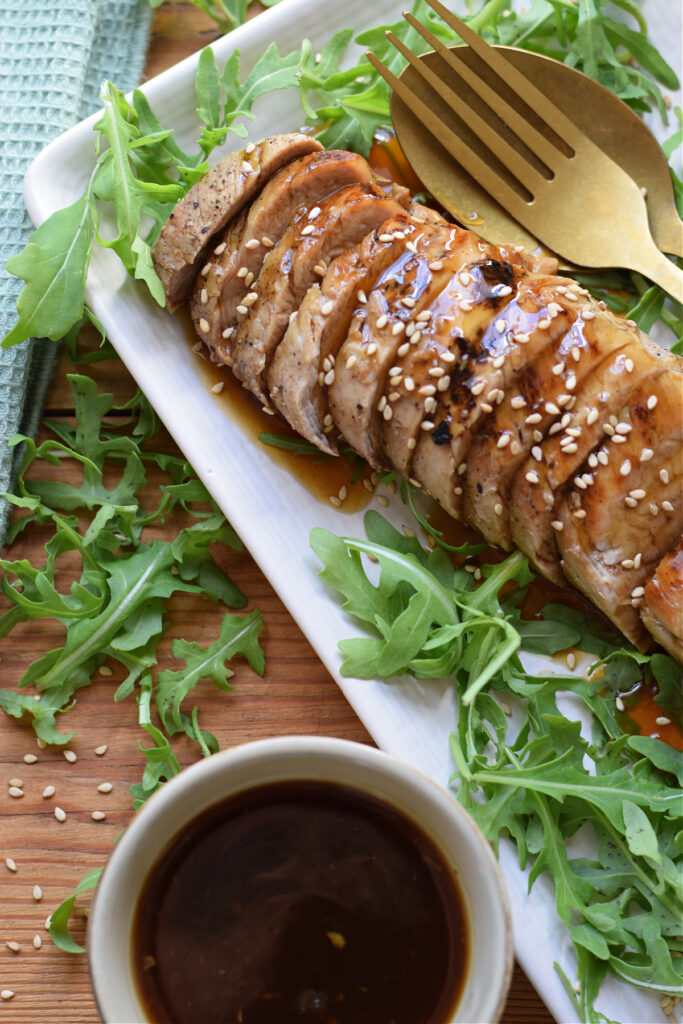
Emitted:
<point x="299" y="902"/>
<point x="321" y="476"/>
<point x="387" y="158"/>
<point x="641" y="716"/>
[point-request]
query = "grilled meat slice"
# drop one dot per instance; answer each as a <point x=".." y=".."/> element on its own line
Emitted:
<point x="208" y="206"/>
<point x="289" y="271"/>
<point x="662" y="607"/>
<point x="616" y="523"/>
<point x="540" y="406"/>
<point x="377" y="331"/>
<point x="302" y="182"/>
<point x="495" y="355"/>
<point x="307" y="353"/>
<point x="602" y="399"/>
<point x="436" y="349"/>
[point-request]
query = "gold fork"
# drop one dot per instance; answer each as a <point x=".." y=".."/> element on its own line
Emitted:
<point x="547" y="174"/>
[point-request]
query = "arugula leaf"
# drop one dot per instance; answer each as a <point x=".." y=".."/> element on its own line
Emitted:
<point x="59" y="918"/>
<point x="237" y="636"/>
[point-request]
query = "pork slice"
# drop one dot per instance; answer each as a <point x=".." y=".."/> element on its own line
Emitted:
<point x="206" y="292"/>
<point x="434" y="354"/>
<point x="427" y="214"/>
<point x="602" y="399"/>
<point x="289" y="270"/>
<point x="302" y="182"/>
<point x="222" y="193"/>
<point x="617" y="521"/>
<point x="307" y="353"/>
<point x="377" y="331"/>
<point x="539" y="406"/>
<point x="662" y="607"/>
<point x="493" y="356"/>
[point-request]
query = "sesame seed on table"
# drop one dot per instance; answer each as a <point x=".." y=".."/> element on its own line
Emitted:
<point x="60" y="811"/>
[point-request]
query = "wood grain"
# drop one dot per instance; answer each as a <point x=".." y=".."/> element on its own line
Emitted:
<point x="297" y="695"/>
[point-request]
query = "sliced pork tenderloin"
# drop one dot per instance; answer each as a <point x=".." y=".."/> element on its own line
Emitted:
<point x="662" y="607"/>
<point x="376" y="333"/>
<point x="616" y="522"/>
<point x="602" y="400"/>
<point x="303" y="182"/>
<point x="289" y="270"/>
<point x="307" y="353"/>
<point x="222" y="193"/>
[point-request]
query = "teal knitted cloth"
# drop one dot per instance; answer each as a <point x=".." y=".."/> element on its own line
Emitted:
<point x="53" y="57"/>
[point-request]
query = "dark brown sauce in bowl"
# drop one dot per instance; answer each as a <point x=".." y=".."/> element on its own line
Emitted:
<point x="301" y="902"/>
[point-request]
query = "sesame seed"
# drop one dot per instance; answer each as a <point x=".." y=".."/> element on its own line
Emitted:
<point x="580" y="513"/>
<point x="328" y="379"/>
<point x="436" y="265"/>
<point x="386" y="237"/>
<point x="381" y="321"/>
<point x="544" y="323"/>
<point x="436" y="371"/>
<point x="254" y="243"/>
<point x="465" y="277"/>
<point x="537" y="436"/>
<point x="243" y="271"/>
<point x="412" y="443"/>
<point x="315" y="212"/>
<point x="537" y="454"/>
<point x="654" y="508"/>
<point x="592" y="416"/>
<point x="411" y="247"/>
<point x="625" y="467"/>
<point x="664" y="476"/>
<point x="424" y="315"/>
<point x="603" y="458"/>
<point x="620" y="704"/>
<point x="639" y="493"/>
<point x="623" y="428"/>
<point x="308" y="230"/>
<point x="498" y="509"/>
<point x="218" y="387"/>
<point x="246" y="167"/>
<point x="518" y="402"/>
<point x="242" y="309"/>
<point x="532" y="418"/>
<point x="558" y="368"/>
<point x="477" y="388"/>
<point x="646" y="455"/>
<point x="570" y="382"/>
<point x="10" y="864"/>
<point x="629" y="365"/>
<point x="522" y="337"/>
<point x="627" y="563"/>
<point x="267" y="242"/>
<point x="398" y="328"/>
<point x="652" y="402"/>
<point x="6" y="994"/>
<point x="409" y="383"/>
<point x="249" y="278"/>
<point x="249" y="148"/>
<point x="532" y="476"/>
<point x="37" y="942"/>
<point x="100" y="815"/>
<point x="448" y="357"/>
<point x="15" y="792"/>
<point x="551" y="408"/>
<point x="430" y="404"/>
<point x="205" y="269"/>
<point x="637" y="591"/>
<point x="37" y="893"/>
<point x="60" y="815"/>
<point x="351" y="362"/>
<point x="70" y="756"/>
<point x="383" y="500"/>
<point x="427" y="389"/>
<point x="558" y="525"/>
<point x="498" y="362"/>
<point x="220" y="249"/>
<point x="631" y="502"/>
<point x="16" y="781"/>
<point x="204" y="326"/>
<point x="588" y="314"/>
<point x="13" y="947"/>
<point x="334" y="500"/>
<point x="228" y="332"/>
<point x="575" y="353"/>
<point x="570" y="449"/>
<point x="503" y="441"/>
<point x="327" y="308"/>
<point x="505" y="291"/>
<point x="571" y="660"/>
<point x="464" y="305"/>
<point x="427" y="425"/>
<point x="372" y="348"/>
<point x="667" y="506"/>
<point x="485" y="407"/>
<point x="501" y="326"/>
<point x="662" y="720"/>
<point x="403" y="350"/>
<point x="444" y="383"/>
<point x="48" y="792"/>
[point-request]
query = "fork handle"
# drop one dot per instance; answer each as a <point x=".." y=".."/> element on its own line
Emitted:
<point x="658" y="268"/>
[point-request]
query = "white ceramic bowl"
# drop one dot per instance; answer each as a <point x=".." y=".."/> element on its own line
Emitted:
<point x="225" y="774"/>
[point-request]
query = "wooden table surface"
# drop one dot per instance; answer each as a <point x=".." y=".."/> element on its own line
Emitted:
<point x="297" y="695"/>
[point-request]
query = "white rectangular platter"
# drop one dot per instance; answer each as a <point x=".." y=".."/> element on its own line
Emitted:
<point x="272" y="512"/>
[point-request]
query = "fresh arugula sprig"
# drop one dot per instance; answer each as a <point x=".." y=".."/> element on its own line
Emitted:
<point x="227" y="14"/>
<point x="537" y="783"/>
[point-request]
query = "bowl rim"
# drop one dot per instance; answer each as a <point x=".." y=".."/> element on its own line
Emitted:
<point x="155" y="813"/>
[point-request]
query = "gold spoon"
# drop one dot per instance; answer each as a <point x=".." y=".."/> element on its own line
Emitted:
<point x="604" y="118"/>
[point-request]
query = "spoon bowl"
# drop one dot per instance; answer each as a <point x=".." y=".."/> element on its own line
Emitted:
<point x="605" y="119"/>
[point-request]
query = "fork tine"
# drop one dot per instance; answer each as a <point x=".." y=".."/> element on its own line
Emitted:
<point x="532" y="96"/>
<point x="518" y="166"/>
<point x="473" y="164"/>
<point x="530" y="136"/>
